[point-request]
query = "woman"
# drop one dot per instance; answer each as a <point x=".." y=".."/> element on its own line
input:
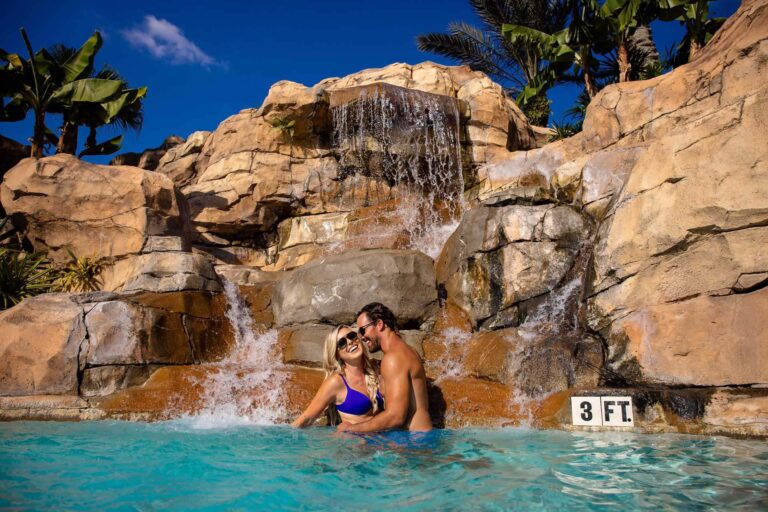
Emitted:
<point x="351" y="381"/>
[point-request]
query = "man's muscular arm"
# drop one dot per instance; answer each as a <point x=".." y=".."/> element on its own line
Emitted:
<point x="395" y="375"/>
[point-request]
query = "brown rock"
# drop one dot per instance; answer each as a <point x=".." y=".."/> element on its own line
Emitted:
<point x="333" y="290"/>
<point x="500" y="256"/>
<point x="92" y="210"/>
<point x="702" y="341"/>
<point x="148" y="159"/>
<point x="41" y="340"/>
<point x="304" y="344"/>
<point x="171" y="272"/>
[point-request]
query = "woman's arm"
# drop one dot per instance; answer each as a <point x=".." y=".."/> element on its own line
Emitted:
<point x="323" y="398"/>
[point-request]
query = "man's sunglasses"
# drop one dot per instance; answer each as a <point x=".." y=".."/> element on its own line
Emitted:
<point x="341" y="343"/>
<point x="362" y="329"/>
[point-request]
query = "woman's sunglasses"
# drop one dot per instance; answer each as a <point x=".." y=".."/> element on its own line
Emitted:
<point x="341" y="343"/>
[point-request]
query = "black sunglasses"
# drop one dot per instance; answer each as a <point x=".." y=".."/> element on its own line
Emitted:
<point x="362" y="329"/>
<point x="341" y="343"/>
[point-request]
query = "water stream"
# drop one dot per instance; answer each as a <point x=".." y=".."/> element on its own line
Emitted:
<point x="410" y="141"/>
<point x="246" y="387"/>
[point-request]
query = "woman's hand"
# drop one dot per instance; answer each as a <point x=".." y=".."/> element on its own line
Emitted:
<point x="343" y="426"/>
<point x="325" y="396"/>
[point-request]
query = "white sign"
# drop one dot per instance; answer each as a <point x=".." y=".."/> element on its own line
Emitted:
<point x="606" y="411"/>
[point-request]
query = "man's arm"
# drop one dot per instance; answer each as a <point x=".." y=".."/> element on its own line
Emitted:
<point x="398" y="400"/>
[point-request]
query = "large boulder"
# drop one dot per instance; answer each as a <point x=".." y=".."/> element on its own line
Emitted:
<point x="334" y="289"/>
<point x="91" y="344"/>
<point x="91" y="210"/>
<point x="40" y="346"/>
<point x="502" y="255"/>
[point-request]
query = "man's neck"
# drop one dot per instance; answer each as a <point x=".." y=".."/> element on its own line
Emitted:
<point x="389" y="340"/>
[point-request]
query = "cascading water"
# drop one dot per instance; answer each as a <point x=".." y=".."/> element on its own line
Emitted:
<point x="559" y="317"/>
<point x="247" y="386"/>
<point x="408" y="140"/>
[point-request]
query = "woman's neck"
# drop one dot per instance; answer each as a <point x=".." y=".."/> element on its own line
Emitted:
<point x="355" y="370"/>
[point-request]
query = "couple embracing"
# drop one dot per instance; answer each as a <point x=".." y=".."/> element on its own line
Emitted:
<point x="366" y="397"/>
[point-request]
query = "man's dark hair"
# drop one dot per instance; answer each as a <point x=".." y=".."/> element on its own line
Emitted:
<point x="378" y="311"/>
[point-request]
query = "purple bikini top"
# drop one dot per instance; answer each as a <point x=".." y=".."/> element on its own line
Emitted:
<point x="357" y="403"/>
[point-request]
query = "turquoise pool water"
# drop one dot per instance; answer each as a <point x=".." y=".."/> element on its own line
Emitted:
<point x="134" y="466"/>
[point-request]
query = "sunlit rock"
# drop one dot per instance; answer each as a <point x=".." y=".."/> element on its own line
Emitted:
<point x="92" y="210"/>
<point x="40" y="346"/>
<point x="334" y="289"/>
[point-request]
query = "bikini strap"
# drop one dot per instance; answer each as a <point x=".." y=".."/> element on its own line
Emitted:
<point x="343" y="379"/>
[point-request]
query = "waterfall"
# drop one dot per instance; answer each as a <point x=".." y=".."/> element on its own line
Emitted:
<point x="410" y="141"/>
<point x="247" y="386"/>
<point x="558" y="318"/>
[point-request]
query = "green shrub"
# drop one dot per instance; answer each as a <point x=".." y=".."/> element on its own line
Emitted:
<point x="23" y="275"/>
<point x="564" y="130"/>
<point x="80" y="274"/>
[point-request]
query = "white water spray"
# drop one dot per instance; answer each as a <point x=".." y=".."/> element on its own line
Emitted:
<point x="247" y="386"/>
<point x="409" y="140"/>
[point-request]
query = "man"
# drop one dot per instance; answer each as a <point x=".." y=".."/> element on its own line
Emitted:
<point x="402" y="374"/>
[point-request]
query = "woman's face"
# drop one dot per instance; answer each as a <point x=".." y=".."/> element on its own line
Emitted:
<point x="352" y="351"/>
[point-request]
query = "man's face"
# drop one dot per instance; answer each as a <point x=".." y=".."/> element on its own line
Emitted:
<point x="368" y="331"/>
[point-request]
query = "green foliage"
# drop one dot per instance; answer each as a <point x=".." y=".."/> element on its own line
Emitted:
<point x="600" y="45"/>
<point x="285" y="126"/>
<point x="23" y="275"/>
<point x="537" y="110"/>
<point x="80" y="274"/>
<point x="514" y="65"/>
<point x="62" y="83"/>
<point x="564" y="130"/>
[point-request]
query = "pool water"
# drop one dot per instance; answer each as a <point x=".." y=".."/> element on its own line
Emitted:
<point x="178" y="466"/>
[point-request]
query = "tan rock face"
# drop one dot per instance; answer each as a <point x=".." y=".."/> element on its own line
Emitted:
<point x="679" y="266"/>
<point x="255" y="170"/>
<point x="333" y="290"/>
<point x="705" y="341"/>
<point x="48" y="340"/>
<point x="178" y="163"/>
<point x="93" y="210"/>
<point x="500" y="256"/>
<point x="40" y="346"/>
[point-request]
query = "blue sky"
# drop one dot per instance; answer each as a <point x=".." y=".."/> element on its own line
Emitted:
<point x="203" y="62"/>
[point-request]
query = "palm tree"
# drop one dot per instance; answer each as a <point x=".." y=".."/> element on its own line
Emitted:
<point x="128" y="105"/>
<point x="694" y="15"/>
<point x="44" y="84"/>
<point x="513" y="64"/>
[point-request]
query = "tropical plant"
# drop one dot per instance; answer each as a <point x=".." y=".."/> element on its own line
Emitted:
<point x="124" y="111"/>
<point x="621" y="19"/>
<point x="43" y="85"/>
<point x="80" y="274"/>
<point x="513" y="64"/>
<point x="694" y="15"/>
<point x="569" y="53"/>
<point x="285" y="126"/>
<point x="23" y="275"/>
<point x="564" y="130"/>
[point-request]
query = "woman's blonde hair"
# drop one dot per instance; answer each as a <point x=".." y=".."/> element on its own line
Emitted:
<point x="332" y="364"/>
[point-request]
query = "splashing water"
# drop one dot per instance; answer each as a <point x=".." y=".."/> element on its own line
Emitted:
<point x="450" y="365"/>
<point x="409" y="140"/>
<point x="557" y="317"/>
<point x="244" y="388"/>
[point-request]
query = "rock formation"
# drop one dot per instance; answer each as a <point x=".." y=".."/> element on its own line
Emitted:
<point x="624" y="260"/>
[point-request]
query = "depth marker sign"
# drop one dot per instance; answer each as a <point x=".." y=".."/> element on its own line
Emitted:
<point x="602" y="411"/>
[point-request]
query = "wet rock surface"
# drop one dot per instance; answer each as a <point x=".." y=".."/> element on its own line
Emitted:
<point x="626" y="260"/>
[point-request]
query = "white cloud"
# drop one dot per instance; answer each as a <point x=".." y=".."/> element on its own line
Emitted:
<point x="165" y="40"/>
